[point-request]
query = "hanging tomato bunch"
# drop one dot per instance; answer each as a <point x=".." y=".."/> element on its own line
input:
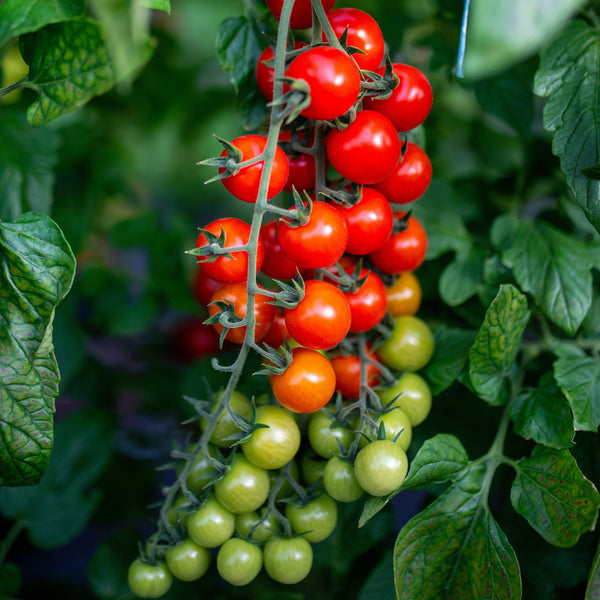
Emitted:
<point x="321" y="286"/>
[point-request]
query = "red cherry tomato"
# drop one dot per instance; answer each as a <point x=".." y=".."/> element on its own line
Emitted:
<point x="404" y="251"/>
<point x="303" y="168"/>
<point x="322" y="319"/>
<point x="410" y="179"/>
<point x="368" y="304"/>
<point x="347" y="375"/>
<point x="244" y="185"/>
<point x="192" y="340"/>
<point x="234" y="268"/>
<point x="277" y="333"/>
<point x="204" y="287"/>
<point x="265" y="74"/>
<point x="301" y="17"/>
<point x="276" y="263"/>
<point x="366" y="151"/>
<point x="410" y="102"/>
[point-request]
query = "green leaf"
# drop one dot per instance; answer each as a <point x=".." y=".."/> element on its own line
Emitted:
<point x="554" y="267"/>
<point x="551" y="492"/>
<point x="462" y="277"/>
<point x="593" y="586"/>
<point x="497" y="344"/>
<point x="25" y="16"/>
<point x="578" y="376"/>
<point x="380" y="583"/>
<point x="164" y="5"/>
<point x="500" y="34"/>
<point x="69" y="65"/>
<point x="27" y="159"/>
<point x="36" y="272"/>
<point x="568" y="77"/>
<point x="450" y="354"/>
<point x="56" y="510"/>
<point x="455" y="549"/>
<point x="543" y="415"/>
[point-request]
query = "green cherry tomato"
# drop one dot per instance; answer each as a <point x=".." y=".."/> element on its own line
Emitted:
<point x="340" y="481"/>
<point x="239" y="561"/>
<point x="396" y="423"/>
<point x="323" y="438"/>
<point x="288" y="560"/>
<point x="226" y="426"/>
<point x="244" y="488"/>
<point x="179" y="511"/>
<point x="315" y="520"/>
<point x="265" y="528"/>
<point x="201" y="472"/>
<point x="312" y="467"/>
<point x="273" y="446"/>
<point x="410" y="346"/>
<point x="187" y="560"/>
<point x="149" y="581"/>
<point x="211" y="525"/>
<point x="412" y="394"/>
<point x="380" y="467"/>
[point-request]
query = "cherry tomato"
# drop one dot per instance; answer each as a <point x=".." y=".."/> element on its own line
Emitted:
<point x="211" y="525"/>
<point x="405" y="250"/>
<point x="201" y="472"/>
<point x="264" y="527"/>
<point x="307" y="384"/>
<point x="312" y="468"/>
<point x="368" y="304"/>
<point x="381" y="467"/>
<point x="410" y="346"/>
<point x="301" y="17"/>
<point x="363" y="33"/>
<point x="410" y="179"/>
<point x="340" y="481"/>
<point x="288" y="560"/>
<point x="322" y="319"/>
<point x="277" y="333"/>
<point x="303" y="168"/>
<point x="244" y="184"/>
<point x="274" y="446"/>
<point x="319" y="242"/>
<point x="412" y="394"/>
<point x="234" y="268"/>
<point x="332" y="78"/>
<point x="204" y="287"/>
<point x="147" y="580"/>
<point x="316" y="519"/>
<point x="367" y="151"/>
<point x="347" y="374"/>
<point x="404" y="295"/>
<point x="325" y="438"/>
<point x="225" y="425"/>
<point x="396" y="423"/>
<point x="179" y="511"/>
<point x="187" y="560"/>
<point x="239" y="561"/>
<point x="264" y="312"/>
<point x="244" y="487"/>
<point x="276" y="263"/>
<point x="193" y="340"/>
<point x="410" y="101"/>
<point x="369" y="222"/>
<point x="265" y="74"/>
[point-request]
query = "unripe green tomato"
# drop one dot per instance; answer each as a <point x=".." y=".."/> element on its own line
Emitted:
<point x="412" y="394"/>
<point x="263" y="532"/>
<point x="239" y="561"/>
<point x="226" y="426"/>
<point x="381" y="467"/>
<point x="323" y="438"/>
<point x="312" y="467"/>
<point x="211" y="525"/>
<point x="394" y="422"/>
<point x="288" y="560"/>
<point x="187" y="560"/>
<point x="273" y="446"/>
<point x="149" y="581"/>
<point x="201" y="472"/>
<point x="410" y="346"/>
<point x="315" y="520"/>
<point x="244" y="488"/>
<point x="179" y="511"/>
<point x="340" y="481"/>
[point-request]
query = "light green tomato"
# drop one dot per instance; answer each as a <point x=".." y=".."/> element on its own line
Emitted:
<point x="410" y="347"/>
<point x="239" y="561"/>
<point x="316" y="520"/>
<point x="396" y="423"/>
<point x="381" y="467"/>
<point x="187" y="560"/>
<point x="211" y="525"/>
<point x="226" y="426"/>
<point x="288" y="560"/>
<point x="149" y="581"/>
<point x="264" y="530"/>
<point x="324" y="438"/>
<point x="340" y="481"/>
<point x="201" y="472"/>
<point x="412" y="394"/>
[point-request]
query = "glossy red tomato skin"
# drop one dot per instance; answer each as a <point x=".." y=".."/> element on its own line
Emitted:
<point x="369" y="222"/>
<point x="277" y="332"/>
<point x="322" y="319"/>
<point x="318" y="243"/>
<point x="237" y="294"/>
<point x="410" y="179"/>
<point x="303" y="167"/>
<point x="367" y="151"/>
<point x="307" y="384"/>
<point x="409" y="103"/>
<point x="244" y="185"/>
<point x="265" y="74"/>
<point x="332" y="77"/>
<point x="203" y="287"/>
<point x="227" y="269"/>
<point x="363" y="33"/>
<point x="301" y="17"/>
<point x="276" y="263"/>
<point x="404" y="251"/>
<point x="347" y="375"/>
<point x="368" y="304"/>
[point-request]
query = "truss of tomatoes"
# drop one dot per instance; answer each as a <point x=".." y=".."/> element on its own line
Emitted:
<point x="334" y="315"/>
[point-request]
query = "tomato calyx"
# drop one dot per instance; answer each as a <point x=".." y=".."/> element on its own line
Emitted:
<point x="347" y="196"/>
<point x="214" y="248"/>
<point x="296" y="99"/>
<point x="378" y="86"/>
<point x="291" y="294"/>
<point x="401" y="222"/>
<point x="232" y="163"/>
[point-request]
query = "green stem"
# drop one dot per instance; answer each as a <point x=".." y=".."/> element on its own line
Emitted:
<point x="12" y="87"/>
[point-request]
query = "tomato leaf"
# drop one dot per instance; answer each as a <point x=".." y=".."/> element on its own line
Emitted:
<point x="497" y="344"/>
<point x="164" y="5"/>
<point x="543" y="415"/>
<point x="68" y="66"/>
<point x="551" y="265"/>
<point x="380" y="583"/>
<point x="25" y="16"/>
<point x="36" y="272"/>
<point x="568" y="77"/>
<point x="462" y="277"/>
<point x="578" y="376"/>
<point x="455" y="549"/>
<point x="593" y="585"/>
<point x="553" y="495"/>
<point x="27" y="160"/>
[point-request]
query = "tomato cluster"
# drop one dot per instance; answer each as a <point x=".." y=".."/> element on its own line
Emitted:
<point x="324" y="290"/>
